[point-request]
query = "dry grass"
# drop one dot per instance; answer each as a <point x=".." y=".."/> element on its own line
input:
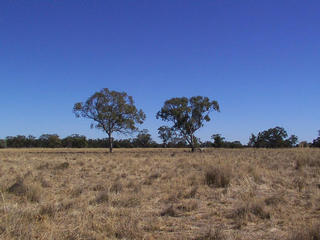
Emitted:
<point x="309" y="232"/>
<point x="159" y="194"/>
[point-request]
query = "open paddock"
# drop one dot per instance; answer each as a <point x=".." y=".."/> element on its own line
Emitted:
<point x="159" y="194"/>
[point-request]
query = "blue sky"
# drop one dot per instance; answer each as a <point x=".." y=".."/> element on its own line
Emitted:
<point x="259" y="59"/>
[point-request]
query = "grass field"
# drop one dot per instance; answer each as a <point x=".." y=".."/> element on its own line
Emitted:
<point x="159" y="194"/>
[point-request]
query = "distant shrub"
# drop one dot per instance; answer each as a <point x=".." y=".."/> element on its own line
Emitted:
<point x="3" y="143"/>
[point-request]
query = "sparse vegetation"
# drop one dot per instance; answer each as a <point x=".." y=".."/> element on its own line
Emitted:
<point x="159" y="194"/>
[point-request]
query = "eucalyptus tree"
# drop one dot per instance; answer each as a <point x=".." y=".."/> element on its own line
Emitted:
<point x="276" y="137"/>
<point x="218" y="140"/>
<point x="166" y="134"/>
<point x="188" y="115"/>
<point x="112" y="112"/>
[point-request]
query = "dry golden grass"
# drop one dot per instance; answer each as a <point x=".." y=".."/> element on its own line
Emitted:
<point x="159" y="194"/>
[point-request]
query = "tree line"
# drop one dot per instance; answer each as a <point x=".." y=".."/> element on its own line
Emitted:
<point x="272" y="138"/>
<point x="142" y="140"/>
<point x="115" y="112"/>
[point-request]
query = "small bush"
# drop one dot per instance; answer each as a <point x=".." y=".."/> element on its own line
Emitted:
<point x="218" y="177"/>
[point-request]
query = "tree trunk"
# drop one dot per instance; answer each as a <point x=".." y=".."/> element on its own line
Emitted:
<point x="110" y="143"/>
<point x="192" y="144"/>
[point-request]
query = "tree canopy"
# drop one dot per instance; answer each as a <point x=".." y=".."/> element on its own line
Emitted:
<point x="218" y="140"/>
<point x="276" y="137"/>
<point x="144" y="139"/>
<point x="316" y="142"/>
<point x="188" y="115"/>
<point x="165" y="134"/>
<point x="111" y="111"/>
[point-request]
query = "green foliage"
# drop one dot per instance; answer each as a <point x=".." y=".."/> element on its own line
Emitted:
<point x="143" y="139"/>
<point x="218" y="141"/>
<point x="20" y="141"/>
<point x="233" y="144"/>
<point x="252" y="140"/>
<point x="187" y="115"/>
<point x="75" y="141"/>
<point x="111" y="111"/>
<point x="316" y="142"/>
<point x="50" y="141"/>
<point x="273" y="138"/>
<point x="165" y="134"/>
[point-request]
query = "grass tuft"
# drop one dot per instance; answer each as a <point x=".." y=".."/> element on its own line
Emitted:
<point x="218" y="177"/>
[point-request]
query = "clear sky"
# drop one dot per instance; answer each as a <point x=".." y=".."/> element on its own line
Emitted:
<point x="259" y="59"/>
